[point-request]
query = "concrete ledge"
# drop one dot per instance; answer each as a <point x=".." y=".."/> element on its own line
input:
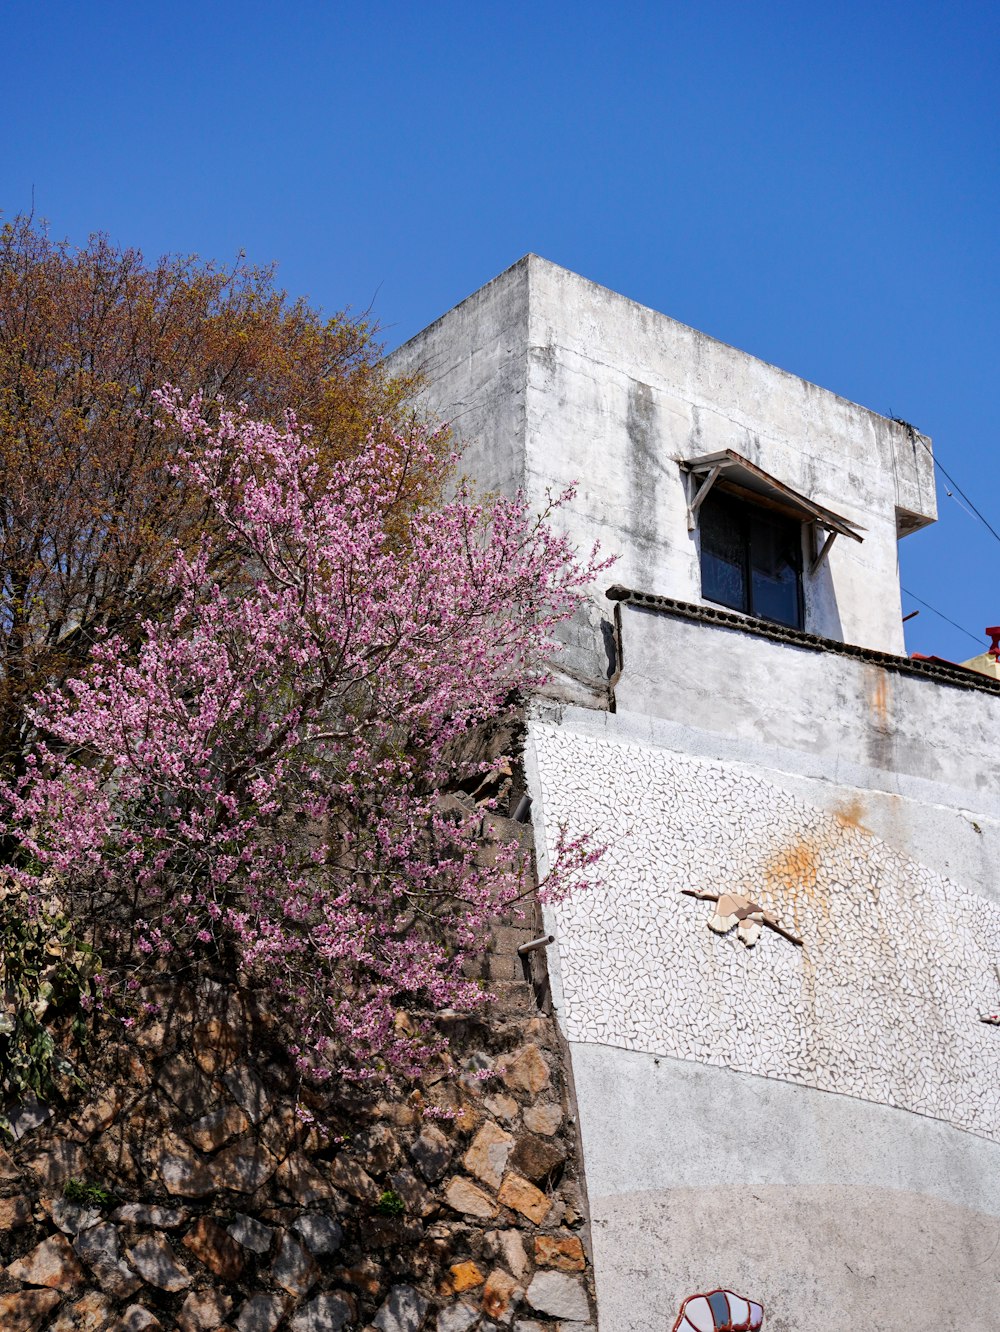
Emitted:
<point x="962" y="677"/>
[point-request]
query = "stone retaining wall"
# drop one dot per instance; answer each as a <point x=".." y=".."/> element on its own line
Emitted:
<point x="459" y="1207"/>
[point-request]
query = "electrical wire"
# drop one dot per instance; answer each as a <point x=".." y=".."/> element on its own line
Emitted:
<point x="964" y="507"/>
<point x="968" y="508"/>
<point x="948" y="477"/>
<point x="976" y="638"/>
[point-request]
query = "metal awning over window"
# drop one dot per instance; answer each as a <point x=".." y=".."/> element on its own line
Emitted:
<point x="744" y="477"/>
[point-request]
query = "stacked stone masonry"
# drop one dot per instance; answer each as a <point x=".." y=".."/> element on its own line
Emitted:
<point x="458" y="1207"/>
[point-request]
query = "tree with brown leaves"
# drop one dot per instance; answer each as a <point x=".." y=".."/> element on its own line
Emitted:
<point x="91" y="508"/>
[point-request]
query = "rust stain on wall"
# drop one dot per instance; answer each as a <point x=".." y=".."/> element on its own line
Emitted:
<point x="790" y="878"/>
<point x="791" y="882"/>
<point x="794" y="868"/>
<point x="850" y="814"/>
<point x="880" y="737"/>
<point x="879" y="700"/>
<point x="793" y="887"/>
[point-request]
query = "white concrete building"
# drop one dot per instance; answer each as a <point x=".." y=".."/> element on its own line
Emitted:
<point x="812" y="1121"/>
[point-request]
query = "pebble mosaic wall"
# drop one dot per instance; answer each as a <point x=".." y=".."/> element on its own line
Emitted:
<point x="881" y="1003"/>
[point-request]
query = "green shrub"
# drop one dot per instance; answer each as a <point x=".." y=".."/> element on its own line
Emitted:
<point x="88" y="1195"/>
<point x="391" y="1204"/>
<point x="46" y="975"/>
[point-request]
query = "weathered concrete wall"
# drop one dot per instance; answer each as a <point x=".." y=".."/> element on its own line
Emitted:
<point x="474" y="365"/>
<point x="845" y="712"/>
<point x="618" y="393"/>
<point x="591" y="387"/>
<point x="817" y="1128"/>
<point x="833" y="1212"/>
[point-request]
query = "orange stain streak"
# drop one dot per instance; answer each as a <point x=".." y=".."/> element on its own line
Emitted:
<point x="850" y="814"/>
<point x="879" y="699"/>
<point x="790" y="879"/>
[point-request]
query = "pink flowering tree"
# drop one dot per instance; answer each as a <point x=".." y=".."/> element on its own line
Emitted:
<point x="261" y="786"/>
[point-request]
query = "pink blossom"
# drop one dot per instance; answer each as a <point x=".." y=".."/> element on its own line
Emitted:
<point x="268" y="769"/>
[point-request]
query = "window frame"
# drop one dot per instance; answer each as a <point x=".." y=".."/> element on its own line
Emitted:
<point x="760" y="490"/>
<point x="751" y="512"/>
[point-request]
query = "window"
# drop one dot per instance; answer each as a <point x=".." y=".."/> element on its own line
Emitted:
<point x="751" y="558"/>
<point x="751" y="527"/>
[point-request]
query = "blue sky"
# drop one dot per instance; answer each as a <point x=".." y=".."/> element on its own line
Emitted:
<point x="816" y="184"/>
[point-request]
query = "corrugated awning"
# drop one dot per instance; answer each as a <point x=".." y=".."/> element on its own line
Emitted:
<point x="739" y="471"/>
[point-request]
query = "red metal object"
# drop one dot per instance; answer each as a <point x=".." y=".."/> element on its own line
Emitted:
<point x="994" y="647"/>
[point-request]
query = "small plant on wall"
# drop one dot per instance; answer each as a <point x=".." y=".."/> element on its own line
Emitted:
<point x="46" y="985"/>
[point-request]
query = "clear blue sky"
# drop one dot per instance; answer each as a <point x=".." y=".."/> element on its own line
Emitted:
<point x="815" y="183"/>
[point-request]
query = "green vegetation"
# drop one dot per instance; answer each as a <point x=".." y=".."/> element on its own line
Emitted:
<point x="88" y="1195"/>
<point x="391" y="1204"/>
<point x="46" y="975"/>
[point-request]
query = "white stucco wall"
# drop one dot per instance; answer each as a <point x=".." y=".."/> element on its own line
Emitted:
<point x="551" y="379"/>
<point x="817" y="1128"/>
<point x="475" y="371"/>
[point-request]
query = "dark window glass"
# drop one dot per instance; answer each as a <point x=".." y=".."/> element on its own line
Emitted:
<point x="723" y="556"/>
<point x="775" y="568"/>
<point x="751" y="559"/>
